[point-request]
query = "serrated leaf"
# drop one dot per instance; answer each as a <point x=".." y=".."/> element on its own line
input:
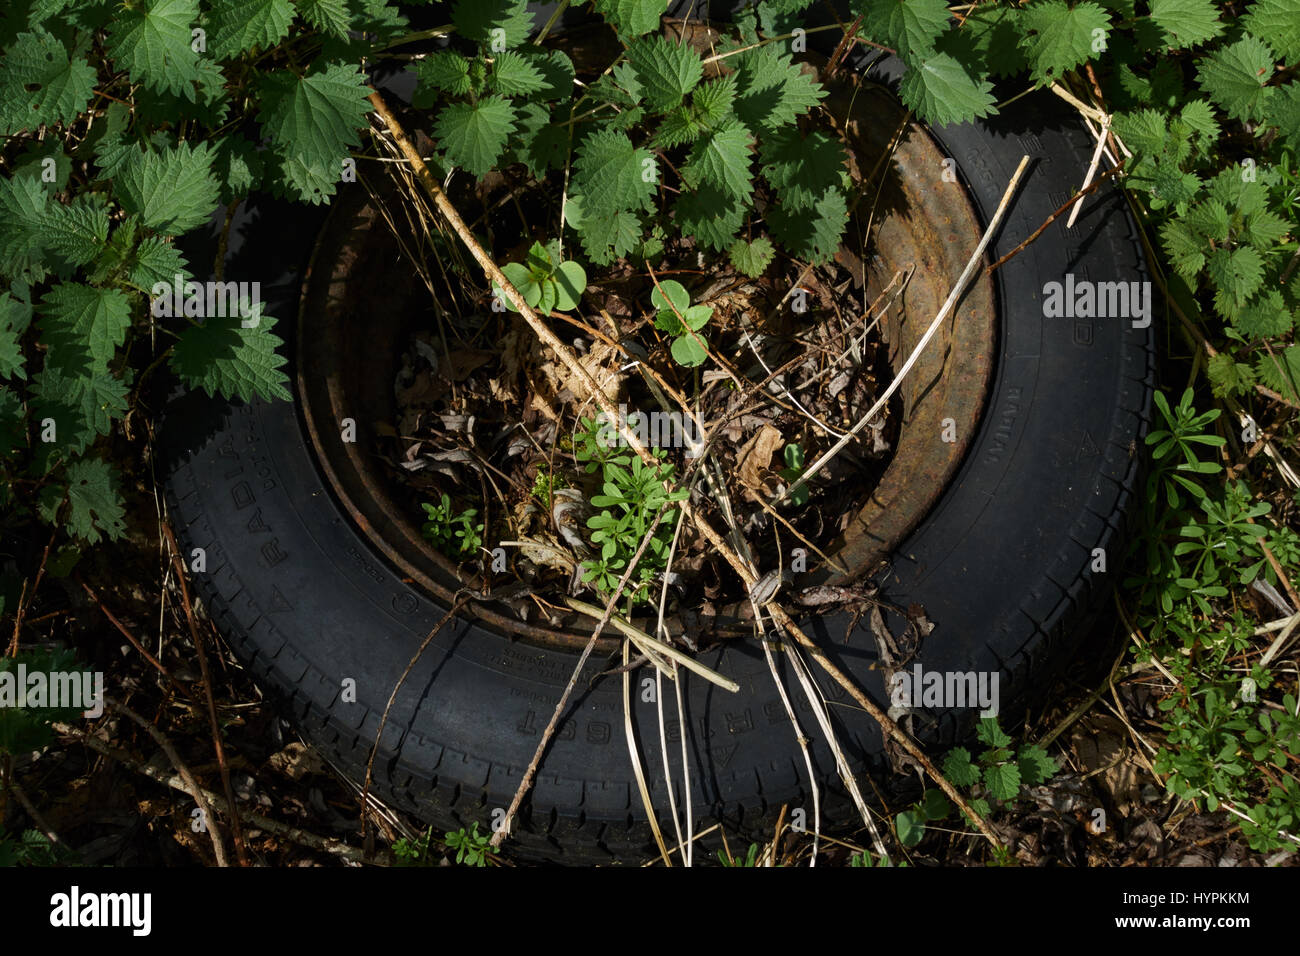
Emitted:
<point x="556" y="70"/>
<point x="607" y="237"/>
<point x="941" y="91"/>
<point x="14" y="319"/>
<point x="77" y="231"/>
<point x="1143" y="131"/>
<point x="1185" y="249"/>
<point x="238" y="166"/>
<point x="1035" y="764"/>
<point x="328" y="16"/>
<point x="1264" y="230"/>
<point x="83" y="326"/>
<point x="41" y="84"/>
<point x="959" y="769"/>
<point x="1199" y="115"/>
<point x="679" y="126"/>
<point x="23" y="202"/>
<point x="802" y="167"/>
<point x="539" y="143"/>
<point x="994" y="34"/>
<point x="813" y="234"/>
<point x="773" y="90"/>
<point x="1237" y="272"/>
<point x="752" y="258"/>
<point x="444" y="70"/>
<point x="711" y="216"/>
<point x="474" y="134"/>
<point x="1003" y="781"/>
<point x="1058" y="37"/>
<point x="94" y="508"/>
<point x="225" y="359"/>
<point x="152" y="41"/>
<point x="513" y="75"/>
<point x="712" y="103"/>
<point x="990" y="733"/>
<point x="1265" y="317"/>
<point x="1280" y="370"/>
<point x="1278" y="22"/>
<point x="910" y="27"/>
<point x="721" y="159"/>
<point x="1210" y="219"/>
<point x="610" y="174"/>
<point x="82" y="406"/>
<point x="632" y="18"/>
<point x="1234" y="77"/>
<point x="480" y="21"/>
<point x="665" y="71"/>
<point x="171" y="190"/>
<point x="241" y="26"/>
<point x="1227" y="375"/>
<point x="1186" y="23"/>
<point x="154" y="261"/>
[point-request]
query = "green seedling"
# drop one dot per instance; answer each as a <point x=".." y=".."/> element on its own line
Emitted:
<point x="676" y="316"/>
<point x="546" y="283"/>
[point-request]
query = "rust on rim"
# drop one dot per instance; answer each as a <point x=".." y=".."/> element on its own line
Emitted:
<point x="356" y="316"/>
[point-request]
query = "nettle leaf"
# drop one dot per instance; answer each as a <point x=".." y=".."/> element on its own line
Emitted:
<point x="1265" y="317"/>
<point x="752" y="258"/>
<point x="941" y="90"/>
<point x="83" y="326"/>
<point x="1280" y="370"/>
<point x="666" y="71"/>
<point x="1264" y="229"/>
<point x="713" y="102"/>
<point x="1143" y="131"/>
<point x="1058" y="37"/>
<point x="1235" y="77"/>
<point x="41" y="84"/>
<point x="632" y="18"/>
<point x="82" y="406"/>
<point x="711" y="215"/>
<point x="171" y="190"/>
<point x="679" y="126"/>
<point x="1278" y="22"/>
<point x="513" y="75"/>
<point x="77" y="231"/>
<point x="1186" y="23"/>
<point x="611" y="174"/>
<point x="908" y="26"/>
<point x="15" y="316"/>
<point x="152" y="41"/>
<point x="496" y="25"/>
<point x="313" y="122"/>
<point x="1199" y="115"/>
<point x="959" y="769"/>
<point x="23" y="200"/>
<point x="156" y="260"/>
<point x="721" y="160"/>
<point x="474" y="134"/>
<point x="813" y="234"/>
<point x="240" y="26"/>
<point x="1003" y="781"/>
<point x="773" y="89"/>
<point x="225" y="359"/>
<point x="1210" y="218"/>
<point x="1035" y="764"/>
<point x="94" y="509"/>
<point x="540" y="143"/>
<point x="994" y="33"/>
<point x="1186" y="250"/>
<point x="1236" y="272"/>
<point x="1228" y="376"/>
<point x="445" y="71"/>
<point x="606" y="238"/>
<point x="556" y="70"/>
<point x="328" y="16"/>
<point x="13" y="432"/>
<point x="801" y="168"/>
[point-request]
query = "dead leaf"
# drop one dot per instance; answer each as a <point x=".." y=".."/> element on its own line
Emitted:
<point x="755" y="458"/>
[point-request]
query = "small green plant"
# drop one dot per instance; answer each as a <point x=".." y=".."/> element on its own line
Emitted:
<point x="910" y="824"/>
<point x="794" y="464"/>
<point x="472" y="848"/>
<point x="414" y="852"/>
<point x="453" y="533"/>
<point x="543" y="485"/>
<point x="30" y="848"/>
<point x="749" y="859"/>
<point x="678" y="318"/>
<point x="864" y="858"/>
<point x="545" y="282"/>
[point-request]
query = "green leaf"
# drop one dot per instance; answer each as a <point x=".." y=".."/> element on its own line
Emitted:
<point x="711" y="216"/>
<point x="609" y="236"/>
<point x="1036" y="765"/>
<point x="959" y="769"/>
<point x="1186" y="23"/>
<point x="1003" y="781"/>
<point x="666" y="71"/>
<point x="328" y="16"/>
<point x="752" y="258"/>
<point x="934" y="805"/>
<point x="1237" y="272"/>
<point x="94" y="508"/>
<point x="241" y="26"/>
<point x="23" y="202"/>
<point x="171" y="190"/>
<point x="812" y="234"/>
<point x="475" y="134"/>
<point x="14" y="319"/>
<point x="941" y="91"/>
<point x="83" y="326"/>
<point x="908" y="26"/>
<point x="313" y="122"/>
<point x="1278" y="22"/>
<point x="1234" y="77"/>
<point x="910" y="826"/>
<point x="721" y="160"/>
<point x="802" y="167"/>
<point x="1210" y="219"/>
<point x="1144" y="131"/>
<point x="78" y="230"/>
<point x="1265" y="317"/>
<point x="1185" y="249"/>
<point x="1228" y="376"/>
<point x="223" y="358"/>
<point x="152" y="41"/>
<point x="513" y="75"/>
<point x="1264" y="230"/>
<point x="990" y="734"/>
<point x="670" y="297"/>
<point x="539" y="143"/>
<point x="444" y="70"/>
<point x="82" y="406"/>
<point x="713" y="103"/>
<point x="688" y="351"/>
<point x="632" y="18"/>
<point x="478" y="20"/>
<point x="1058" y="37"/>
<point x="994" y="34"/>
<point x="773" y="89"/>
<point x="154" y="261"/>
<point x="1280" y="370"/>
<point x="41" y="84"/>
<point x="610" y="174"/>
<point x="570" y="282"/>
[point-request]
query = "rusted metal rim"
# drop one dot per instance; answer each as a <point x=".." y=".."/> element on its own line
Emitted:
<point x="357" y="312"/>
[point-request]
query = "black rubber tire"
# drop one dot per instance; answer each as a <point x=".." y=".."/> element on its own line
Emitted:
<point x="1001" y="565"/>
